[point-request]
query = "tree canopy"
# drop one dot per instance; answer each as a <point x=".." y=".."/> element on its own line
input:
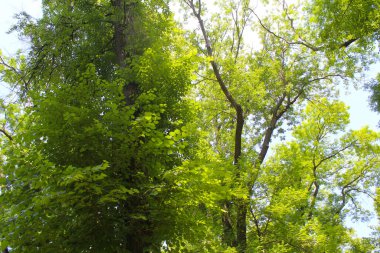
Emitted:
<point x="144" y="126"/>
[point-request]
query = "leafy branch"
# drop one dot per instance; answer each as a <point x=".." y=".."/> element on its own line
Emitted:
<point x="301" y="41"/>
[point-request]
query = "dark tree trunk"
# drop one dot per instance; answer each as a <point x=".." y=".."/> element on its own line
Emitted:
<point x="228" y="231"/>
<point x="119" y="32"/>
<point x="241" y="206"/>
<point x="136" y="244"/>
<point x="241" y="226"/>
<point x="123" y="28"/>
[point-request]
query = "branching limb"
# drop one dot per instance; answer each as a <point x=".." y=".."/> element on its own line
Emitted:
<point x="241" y="225"/>
<point x="335" y="153"/>
<point x="326" y="77"/>
<point x="239" y="28"/>
<point x="299" y="42"/>
<point x="238" y="108"/>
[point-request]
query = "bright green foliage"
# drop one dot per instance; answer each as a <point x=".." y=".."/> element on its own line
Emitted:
<point x="312" y="183"/>
<point x="85" y="172"/>
<point x="343" y="20"/>
<point x="271" y="76"/>
<point x="124" y="138"/>
<point x="347" y="23"/>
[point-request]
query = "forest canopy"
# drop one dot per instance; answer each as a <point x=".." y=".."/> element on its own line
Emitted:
<point x="189" y="126"/>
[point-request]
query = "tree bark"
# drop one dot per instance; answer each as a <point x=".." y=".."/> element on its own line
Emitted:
<point x="241" y="226"/>
<point x="228" y="231"/>
<point x="119" y="32"/>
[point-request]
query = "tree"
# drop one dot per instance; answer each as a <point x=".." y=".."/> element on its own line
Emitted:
<point x="308" y="187"/>
<point x="115" y="145"/>
<point x="249" y="93"/>
<point x="102" y="119"/>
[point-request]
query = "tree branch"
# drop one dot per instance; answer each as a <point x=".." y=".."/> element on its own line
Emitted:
<point x="6" y="134"/>
<point x="14" y="70"/>
<point x="335" y="153"/>
<point x="299" y="42"/>
<point x="238" y="108"/>
<point x="256" y="222"/>
<point x="348" y="43"/>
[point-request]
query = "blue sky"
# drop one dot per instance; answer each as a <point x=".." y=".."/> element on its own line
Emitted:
<point x="357" y="99"/>
<point x="360" y="112"/>
<point x="9" y="43"/>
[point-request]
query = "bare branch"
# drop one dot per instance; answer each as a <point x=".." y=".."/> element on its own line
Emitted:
<point x="301" y="41"/>
<point x="199" y="7"/>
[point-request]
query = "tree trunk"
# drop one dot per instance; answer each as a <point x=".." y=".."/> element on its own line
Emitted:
<point x="241" y="206"/>
<point x="119" y="32"/>
<point x="136" y="244"/>
<point x="123" y="23"/>
<point x="241" y="237"/>
<point x="241" y="226"/>
<point x="228" y="231"/>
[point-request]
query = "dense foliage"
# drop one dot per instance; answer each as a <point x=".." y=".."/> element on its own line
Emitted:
<point x="218" y="132"/>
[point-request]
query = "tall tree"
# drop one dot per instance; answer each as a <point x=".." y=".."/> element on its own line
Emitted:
<point x="256" y="82"/>
<point x="114" y="144"/>
<point x="104" y="119"/>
